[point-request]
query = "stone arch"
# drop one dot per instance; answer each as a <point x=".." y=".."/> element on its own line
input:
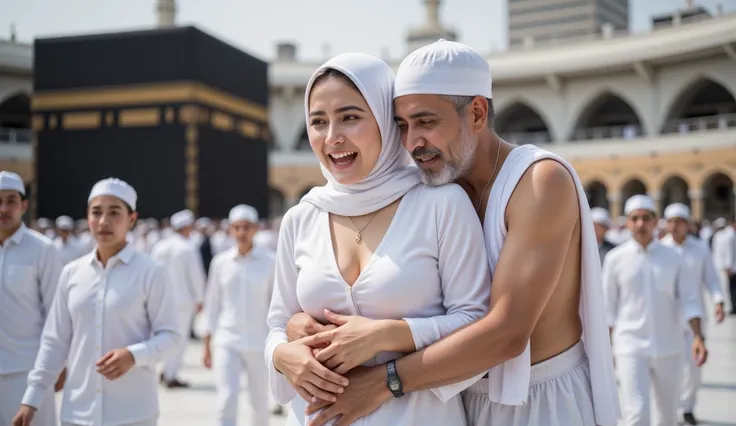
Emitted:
<point x="597" y="194"/>
<point x="276" y="202"/>
<point x="521" y="123"/>
<point x="700" y="97"/>
<point x="608" y="114"/>
<point x="718" y="196"/>
<point x="632" y="186"/>
<point x="15" y="111"/>
<point x="674" y="190"/>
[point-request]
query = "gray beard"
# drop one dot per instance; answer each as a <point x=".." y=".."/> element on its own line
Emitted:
<point x="463" y="151"/>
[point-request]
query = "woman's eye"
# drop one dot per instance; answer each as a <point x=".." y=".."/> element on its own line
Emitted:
<point x="317" y="122"/>
<point x="351" y="117"/>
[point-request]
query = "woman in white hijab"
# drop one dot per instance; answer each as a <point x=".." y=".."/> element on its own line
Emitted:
<point x="406" y="261"/>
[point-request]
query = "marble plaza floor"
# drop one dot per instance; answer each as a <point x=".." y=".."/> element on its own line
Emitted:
<point x="716" y="405"/>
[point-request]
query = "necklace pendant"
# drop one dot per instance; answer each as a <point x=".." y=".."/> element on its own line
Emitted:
<point x="358" y="238"/>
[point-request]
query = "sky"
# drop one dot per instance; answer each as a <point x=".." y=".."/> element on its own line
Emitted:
<point x="320" y="28"/>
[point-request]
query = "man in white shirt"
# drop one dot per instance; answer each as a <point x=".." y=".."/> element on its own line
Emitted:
<point x="649" y="290"/>
<point x="695" y="256"/>
<point x="187" y="275"/>
<point x="238" y="297"/>
<point x="65" y="242"/>
<point x="29" y="273"/>
<point x="724" y="257"/>
<point x="602" y="223"/>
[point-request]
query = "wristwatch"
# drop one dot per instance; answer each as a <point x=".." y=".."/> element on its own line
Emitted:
<point x="393" y="381"/>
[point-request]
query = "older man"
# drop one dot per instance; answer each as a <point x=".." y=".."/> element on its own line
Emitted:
<point x="544" y="328"/>
<point x="697" y="259"/>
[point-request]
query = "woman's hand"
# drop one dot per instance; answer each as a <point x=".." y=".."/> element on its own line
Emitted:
<point x="310" y="378"/>
<point x="354" y="341"/>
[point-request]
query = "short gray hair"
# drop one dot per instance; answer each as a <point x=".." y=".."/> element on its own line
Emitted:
<point x="462" y="102"/>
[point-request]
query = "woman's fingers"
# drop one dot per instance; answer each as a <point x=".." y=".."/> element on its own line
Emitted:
<point x="332" y="363"/>
<point x="323" y="372"/>
<point x="343" y="368"/>
<point x="303" y="393"/>
<point x="319" y="393"/>
<point x="326" y="353"/>
<point x="325" y="385"/>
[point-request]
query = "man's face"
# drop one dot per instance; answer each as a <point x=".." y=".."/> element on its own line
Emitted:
<point x="677" y="227"/>
<point x="600" y="231"/>
<point x="436" y="136"/>
<point x="641" y="223"/>
<point x="12" y="208"/>
<point x="243" y="231"/>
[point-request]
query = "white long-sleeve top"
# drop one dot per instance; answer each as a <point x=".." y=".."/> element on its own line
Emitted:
<point x="29" y="272"/>
<point x="185" y="267"/>
<point x="698" y="259"/>
<point x="239" y="291"/>
<point x="648" y="291"/>
<point x="724" y="249"/>
<point x="429" y="269"/>
<point x="127" y="304"/>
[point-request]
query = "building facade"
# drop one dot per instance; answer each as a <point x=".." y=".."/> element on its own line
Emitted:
<point x="648" y="113"/>
<point x="547" y="20"/>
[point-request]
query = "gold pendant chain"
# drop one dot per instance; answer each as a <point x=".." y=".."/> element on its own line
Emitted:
<point x="359" y="238"/>
<point x="483" y="194"/>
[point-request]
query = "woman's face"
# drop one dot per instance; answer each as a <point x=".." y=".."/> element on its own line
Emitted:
<point x="109" y="220"/>
<point x="343" y="132"/>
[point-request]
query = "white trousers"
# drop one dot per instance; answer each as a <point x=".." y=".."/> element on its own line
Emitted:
<point x="691" y="376"/>
<point x="173" y="363"/>
<point x="228" y="365"/>
<point x="638" y="375"/>
<point x="560" y="394"/>
<point x="12" y="388"/>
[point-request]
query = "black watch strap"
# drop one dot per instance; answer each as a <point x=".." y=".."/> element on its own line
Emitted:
<point x="393" y="381"/>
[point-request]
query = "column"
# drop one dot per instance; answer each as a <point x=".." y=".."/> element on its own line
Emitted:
<point x="614" y="204"/>
<point x="657" y="197"/>
<point x="696" y="203"/>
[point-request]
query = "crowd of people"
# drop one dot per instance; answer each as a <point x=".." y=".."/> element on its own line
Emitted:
<point x="463" y="288"/>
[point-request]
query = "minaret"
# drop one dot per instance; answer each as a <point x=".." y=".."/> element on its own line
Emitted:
<point x="431" y="30"/>
<point x="166" y="11"/>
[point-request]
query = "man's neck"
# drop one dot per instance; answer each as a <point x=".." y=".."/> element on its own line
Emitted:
<point x="644" y="242"/>
<point x="244" y="249"/>
<point x="476" y="180"/>
<point x="679" y="240"/>
<point x="4" y="235"/>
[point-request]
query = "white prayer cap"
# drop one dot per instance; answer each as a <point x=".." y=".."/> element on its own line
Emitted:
<point x="720" y="222"/>
<point x="224" y="224"/>
<point x="243" y="212"/>
<point x="444" y="68"/>
<point x="116" y="188"/>
<point x="65" y="222"/>
<point x="600" y="216"/>
<point x="640" y="201"/>
<point x="677" y="210"/>
<point x="182" y="219"/>
<point x="203" y="222"/>
<point x="43" y="222"/>
<point x="10" y="181"/>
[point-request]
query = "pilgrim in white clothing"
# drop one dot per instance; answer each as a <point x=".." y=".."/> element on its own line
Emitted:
<point x="577" y="386"/>
<point x="68" y="245"/>
<point x="696" y="257"/>
<point x="238" y="296"/>
<point x="29" y="273"/>
<point x="648" y="288"/>
<point x="429" y="269"/>
<point x="112" y="319"/>
<point x="724" y="257"/>
<point x="184" y="263"/>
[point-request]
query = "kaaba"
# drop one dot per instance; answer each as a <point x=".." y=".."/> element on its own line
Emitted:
<point x="175" y="112"/>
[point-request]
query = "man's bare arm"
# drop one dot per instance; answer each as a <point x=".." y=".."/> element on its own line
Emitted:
<point x="542" y="215"/>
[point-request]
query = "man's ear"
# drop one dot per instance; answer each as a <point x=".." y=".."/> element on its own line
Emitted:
<point x="479" y="113"/>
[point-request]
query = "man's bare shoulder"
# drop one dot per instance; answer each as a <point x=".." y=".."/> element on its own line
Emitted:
<point x="545" y="195"/>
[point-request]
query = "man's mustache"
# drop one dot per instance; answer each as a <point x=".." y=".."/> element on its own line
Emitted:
<point x="418" y="152"/>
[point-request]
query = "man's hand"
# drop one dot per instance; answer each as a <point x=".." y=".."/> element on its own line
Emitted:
<point x="720" y="313"/>
<point x="25" y="415"/>
<point x="59" y="385"/>
<point x="207" y="358"/>
<point x="700" y="353"/>
<point x="115" y="363"/>
<point x="198" y="308"/>
<point x="302" y="325"/>
<point x="366" y="392"/>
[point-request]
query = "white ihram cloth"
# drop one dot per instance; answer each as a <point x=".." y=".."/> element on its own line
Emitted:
<point x="394" y="174"/>
<point x="511" y="389"/>
<point x="424" y="279"/>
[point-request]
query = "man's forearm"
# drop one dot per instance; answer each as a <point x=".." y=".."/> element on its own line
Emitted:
<point x="695" y="327"/>
<point x="464" y="354"/>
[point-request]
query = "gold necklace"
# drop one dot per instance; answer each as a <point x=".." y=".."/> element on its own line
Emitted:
<point x="495" y="166"/>
<point x="359" y="238"/>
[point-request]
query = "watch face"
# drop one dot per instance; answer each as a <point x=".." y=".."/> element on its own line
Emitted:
<point x="393" y="385"/>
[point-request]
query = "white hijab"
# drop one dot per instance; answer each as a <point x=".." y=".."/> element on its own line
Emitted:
<point x="394" y="173"/>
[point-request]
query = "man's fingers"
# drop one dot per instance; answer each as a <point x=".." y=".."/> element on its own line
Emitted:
<point x="315" y="405"/>
<point x="303" y="393"/>
<point x="326" y="353"/>
<point x="330" y="376"/>
<point x="326" y="385"/>
<point x="319" y="393"/>
<point x="105" y="358"/>
<point x="342" y="368"/>
<point x="324" y="416"/>
<point x="318" y="339"/>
